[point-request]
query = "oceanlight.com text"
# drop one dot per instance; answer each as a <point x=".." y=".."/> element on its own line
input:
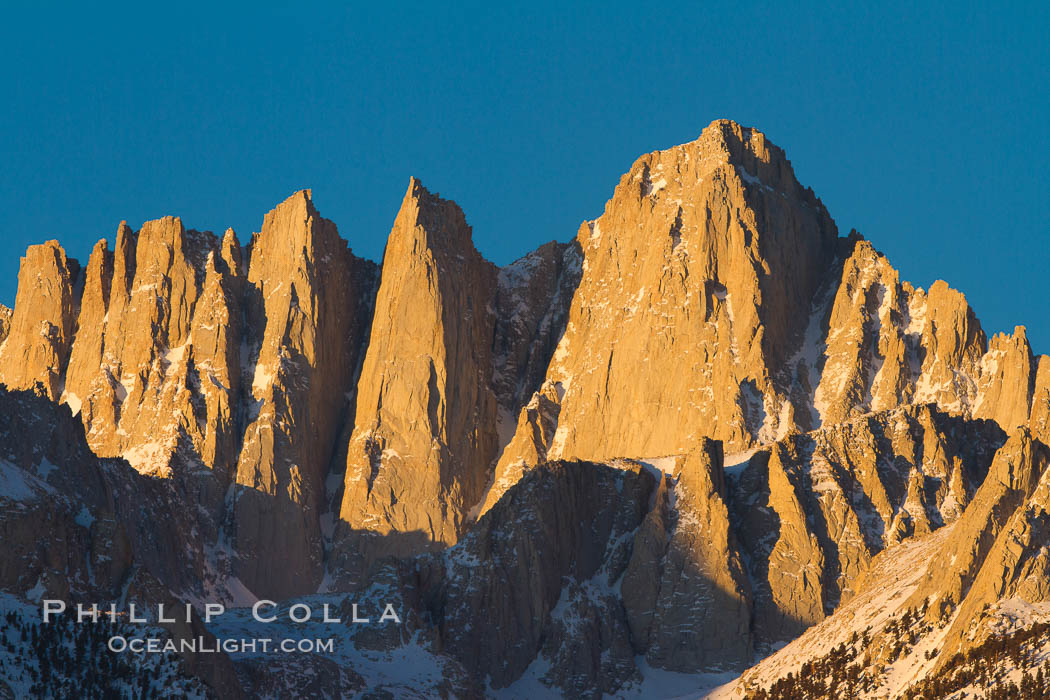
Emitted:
<point x="201" y="645"/>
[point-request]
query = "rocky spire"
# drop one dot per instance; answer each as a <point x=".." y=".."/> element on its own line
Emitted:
<point x="1006" y="380"/>
<point x="306" y="300"/>
<point x="134" y="357"/>
<point x="38" y="343"/>
<point x="86" y="356"/>
<point x="425" y="435"/>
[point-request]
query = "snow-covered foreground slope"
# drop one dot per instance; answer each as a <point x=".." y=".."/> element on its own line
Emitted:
<point x="933" y="611"/>
<point x="889" y="585"/>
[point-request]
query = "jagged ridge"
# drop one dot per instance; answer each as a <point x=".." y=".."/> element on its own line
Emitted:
<point x="316" y="413"/>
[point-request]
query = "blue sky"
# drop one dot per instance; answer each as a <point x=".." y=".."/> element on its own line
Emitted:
<point x="926" y="129"/>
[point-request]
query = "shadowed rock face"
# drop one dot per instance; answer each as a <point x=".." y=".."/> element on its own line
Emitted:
<point x="686" y="592"/>
<point x="687" y="435"/>
<point x="82" y="529"/>
<point x="191" y="352"/>
<point x="544" y="562"/>
<point x="306" y="300"/>
<point x="59" y="523"/>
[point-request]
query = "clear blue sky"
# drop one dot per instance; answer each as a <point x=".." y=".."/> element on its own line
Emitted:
<point x="926" y="130"/>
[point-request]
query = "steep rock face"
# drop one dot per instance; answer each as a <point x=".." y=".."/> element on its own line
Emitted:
<point x="1017" y="566"/>
<point x="426" y="417"/>
<point x="705" y="259"/>
<point x="529" y="444"/>
<point x="134" y="375"/>
<point x="545" y="562"/>
<point x="686" y="592"/>
<point x="58" y="519"/>
<point x="933" y="596"/>
<point x="41" y="327"/>
<point x="87" y="351"/>
<point x="192" y="352"/>
<point x="78" y="528"/>
<point x="1039" y="417"/>
<point x="867" y="342"/>
<point x="532" y="302"/>
<point x="870" y="348"/>
<point x="885" y="344"/>
<point x="533" y="296"/>
<point x="217" y="335"/>
<point x="306" y="300"/>
<point x="1007" y="380"/>
<point x="813" y="511"/>
<point x="1012" y="478"/>
<point x="5" y="322"/>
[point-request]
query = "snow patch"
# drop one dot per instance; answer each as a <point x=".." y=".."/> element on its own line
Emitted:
<point x="596" y="230"/>
<point x="84" y="518"/>
<point x="663" y="464"/>
<point x="149" y="457"/>
<point x="72" y="400"/>
<point x="37" y="591"/>
<point x="45" y="468"/>
<point x="672" y="685"/>
<point x="735" y="463"/>
<point x="262" y="380"/>
<point x="16" y="484"/>
<point x="173" y="356"/>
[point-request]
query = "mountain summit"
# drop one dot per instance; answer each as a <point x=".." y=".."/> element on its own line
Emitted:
<point x="706" y="433"/>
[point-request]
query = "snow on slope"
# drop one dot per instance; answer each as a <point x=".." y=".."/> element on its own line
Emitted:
<point x="892" y="579"/>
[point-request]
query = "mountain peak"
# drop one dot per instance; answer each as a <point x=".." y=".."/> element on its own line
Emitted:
<point x="231" y="251"/>
<point x="426" y="221"/>
<point x="299" y="203"/>
<point x="417" y="192"/>
<point x="726" y="151"/>
<point x="707" y="396"/>
<point x="41" y="329"/>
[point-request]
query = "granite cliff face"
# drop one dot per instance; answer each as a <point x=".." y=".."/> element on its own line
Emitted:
<point x="674" y="443"/>
<point x="721" y="266"/>
<point x="308" y="298"/>
<point x="425" y="423"/>
<point x="179" y="349"/>
<point x="922" y="606"/>
<point x="39" y="331"/>
<point x="707" y="257"/>
<point x="5" y="322"/>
